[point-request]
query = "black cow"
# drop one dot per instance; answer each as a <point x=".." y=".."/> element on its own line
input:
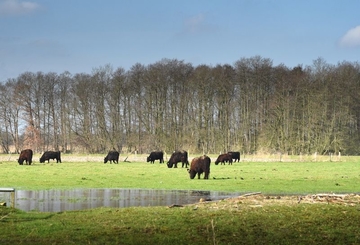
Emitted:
<point x="200" y="165"/>
<point x="25" y="155"/>
<point x="226" y="157"/>
<point x="112" y="156"/>
<point x="155" y="155"/>
<point x="178" y="156"/>
<point x="50" y="155"/>
<point x="235" y="155"/>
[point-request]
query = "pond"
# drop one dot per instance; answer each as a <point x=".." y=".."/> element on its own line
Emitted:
<point x="79" y="199"/>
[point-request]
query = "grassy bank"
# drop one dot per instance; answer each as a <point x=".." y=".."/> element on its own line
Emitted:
<point x="214" y="223"/>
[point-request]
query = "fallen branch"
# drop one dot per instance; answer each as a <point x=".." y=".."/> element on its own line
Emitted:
<point x="175" y="206"/>
<point x="251" y="194"/>
<point x="128" y="156"/>
<point x="3" y="217"/>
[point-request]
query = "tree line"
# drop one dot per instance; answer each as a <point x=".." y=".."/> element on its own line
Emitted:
<point x="251" y="106"/>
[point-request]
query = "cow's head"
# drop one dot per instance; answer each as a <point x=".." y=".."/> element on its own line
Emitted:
<point x="170" y="164"/>
<point x="192" y="173"/>
<point x="105" y="159"/>
<point x="148" y="159"/>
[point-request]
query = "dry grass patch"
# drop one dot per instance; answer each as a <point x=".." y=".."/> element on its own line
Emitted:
<point x="254" y="200"/>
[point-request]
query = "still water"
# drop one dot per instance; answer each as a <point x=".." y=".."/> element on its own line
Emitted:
<point x="79" y="199"/>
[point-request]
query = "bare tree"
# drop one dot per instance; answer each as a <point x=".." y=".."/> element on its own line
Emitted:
<point x="201" y="109"/>
<point x="83" y="111"/>
<point x="116" y="103"/>
<point x="64" y="114"/>
<point x="9" y="116"/>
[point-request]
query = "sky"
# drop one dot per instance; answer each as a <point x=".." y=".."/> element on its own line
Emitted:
<point x="79" y="36"/>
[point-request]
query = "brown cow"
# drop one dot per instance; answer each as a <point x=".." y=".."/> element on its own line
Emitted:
<point x="178" y="156"/>
<point x="226" y="157"/>
<point x="200" y="165"/>
<point x="25" y="155"/>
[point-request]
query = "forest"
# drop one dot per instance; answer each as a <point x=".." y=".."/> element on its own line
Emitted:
<point x="249" y="106"/>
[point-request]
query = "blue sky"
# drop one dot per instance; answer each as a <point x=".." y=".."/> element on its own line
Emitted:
<point x="80" y="35"/>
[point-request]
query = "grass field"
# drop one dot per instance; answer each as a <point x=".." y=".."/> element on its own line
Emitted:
<point x="251" y="220"/>
<point x="272" y="177"/>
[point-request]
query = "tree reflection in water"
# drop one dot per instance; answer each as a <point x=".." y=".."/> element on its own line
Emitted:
<point x="78" y="199"/>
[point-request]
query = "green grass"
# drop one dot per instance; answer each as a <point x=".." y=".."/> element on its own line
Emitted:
<point x="265" y="177"/>
<point x="300" y="224"/>
<point x="209" y="223"/>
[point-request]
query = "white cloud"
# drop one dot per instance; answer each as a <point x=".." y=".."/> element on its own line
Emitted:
<point x="16" y="7"/>
<point x="195" y="23"/>
<point x="351" y="38"/>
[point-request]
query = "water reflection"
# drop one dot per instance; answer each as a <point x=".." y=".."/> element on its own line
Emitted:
<point x="78" y="199"/>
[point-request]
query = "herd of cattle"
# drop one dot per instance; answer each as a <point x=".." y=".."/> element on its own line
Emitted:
<point x="198" y="165"/>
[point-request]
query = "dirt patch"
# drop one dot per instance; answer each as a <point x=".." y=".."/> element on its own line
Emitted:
<point x="260" y="200"/>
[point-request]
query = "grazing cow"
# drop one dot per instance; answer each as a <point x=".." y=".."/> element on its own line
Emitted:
<point x="155" y="155"/>
<point x="25" y="155"/>
<point x="178" y="156"/>
<point x="50" y="155"/>
<point x="226" y="157"/>
<point x="112" y="156"/>
<point x="235" y="155"/>
<point x="200" y="165"/>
